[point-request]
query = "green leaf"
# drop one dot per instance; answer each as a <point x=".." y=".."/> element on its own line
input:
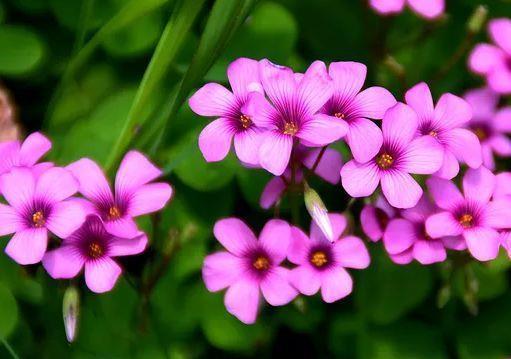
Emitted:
<point x="22" y="50"/>
<point x="8" y="312"/>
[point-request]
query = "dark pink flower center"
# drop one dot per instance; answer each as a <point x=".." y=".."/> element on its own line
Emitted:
<point x="38" y="219"/>
<point x="37" y="214"/>
<point x="468" y="214"/>
<point x="259" y="262"/>
<point x="384" y="160"/>
<point x="381" y="217"/>
<point x="290" y="128"/>
<point x="93" y="241"/>
<point x="320" y="256"/>
<point x="482" y="131"/>
<point x="245" y="121"/>
<point x="95" y="250"/>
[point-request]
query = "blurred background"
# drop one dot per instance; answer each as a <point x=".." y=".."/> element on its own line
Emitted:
<point x="100" y="77"/>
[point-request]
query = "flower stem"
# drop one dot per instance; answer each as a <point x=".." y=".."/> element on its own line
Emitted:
<point x="318" y="159"/>
<point x="9" y="348"/>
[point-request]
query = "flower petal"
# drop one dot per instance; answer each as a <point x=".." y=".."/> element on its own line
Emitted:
<point x="479" y="184"/>
<point x="387" y="6"/>
<point x="305" y="279"/>
<point x="329" y="166"/>
<point x="364" y="138"/>
<point x="350" y="252"/>
<point x="275" y="238"/>
<point x="92" y="181"/>
<point x="483" y="243"/>
<point x="400" y="189"/>
<point x="56" y="184"/>
<point x="360" y="180"/>
<point x="28" y="246"/>
<point x="221" y="270"/>
<point x="443" y="224"/>
<point x="450" y="166"/>
<point x="215" y="139"/>
<point x="33" y="148"/>
<point x="430" y="251"/>
<point x="373" y="102"/>
<point x="500" y="31"/>
<point x="10" y="220"/>
<point x="260" y="111"/>
<point x="498" y="213"/>
<point x="272" y="192"/>
<point x="65" y="218"/>
<point x="399" y="125"/>
<point x="212" y="100"/>
<point x="445" y="193"/>
<point x="424" y="155"/>
<point x="18" y="187"/>
<point x="484" y="58"/>
<point x="499" y="79"/>
<point x="419" y="98"/>
<point x="127" y="246"/>
<point x="451" y="112"/>
<point x="399" y="236"/>
<point x="275" y="152"/>
<point x="502" y="120"/>
<point x="276" y="287"/>
<point x="429" y="9"/>
<point x="124" y="227"/>
<point x="278" y="82"/>
<point x="243" y="77"/>
<point x="101" y="274"/>
<point x="336" y="284"/>
<point x="247" y="144"/>
<point x="234" y="235"/>
<point x="242" y="300"/>
<point x="338" y="223"/>
<point x="149" y="198"/>
<point x="299" y="245"/>
<point x="315" y="87"/>
<point x="370" y="223"/>
<point x="483" y="102"/>
<point x="502" y="185"/>
<point x="501" y="145"/>
<point x="403" y="258"/>
<point x="348" y="77"/>
<point x="320" y="130"/>
<point x="9" y="155"/>
<point x="135" y="170"/>
<point x="456" y="243"/>
<point x="63" y="262"/>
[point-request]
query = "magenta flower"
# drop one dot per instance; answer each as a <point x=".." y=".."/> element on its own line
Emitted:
<point x="321" y="264"/>
<point x="354" y="108"/>
<point x="26" y="154"/>
<point x="214" y="100"/>
<point x="443" y="122"/>
<point x="400" y="154"/>
<point x="328" y="169"/>
<point x="293" y="114"/>
<point x="134" y="194"/>
<point x="494" y="61"/>
<point x="428" y="9"/>
<point x="375" y="218"/>
<point x="37" y="205"/>
<point x="471" y="215"/>
<point x="490" y="124"/>
<point x="92" y="247"/>
<point x="505" y="239"/>
<point x="502" y="185"/>
<point x="407" y="237"/>
<point x="249" y="267"/>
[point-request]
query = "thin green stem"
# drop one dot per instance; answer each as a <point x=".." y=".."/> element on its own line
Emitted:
<point x="9" y="348"/>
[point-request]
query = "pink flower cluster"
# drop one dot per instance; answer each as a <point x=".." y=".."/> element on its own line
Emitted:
<point x="89" y="230"/>
<point x="251" y="267"/>
<point x="428" y="9"/>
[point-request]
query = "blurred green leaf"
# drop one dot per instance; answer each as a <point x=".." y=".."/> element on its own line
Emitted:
<point x="22" y="50"/>
<point x="8" y="312"/>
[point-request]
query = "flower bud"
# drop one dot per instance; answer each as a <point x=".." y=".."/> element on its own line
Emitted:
<point x="318" y="212"/>
<point x="71" y="312"/>
<point x="478" y="19"/>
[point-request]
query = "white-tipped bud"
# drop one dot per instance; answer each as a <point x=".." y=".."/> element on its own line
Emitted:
<point x="71" y="312"/>
<point x="317" y="210"/>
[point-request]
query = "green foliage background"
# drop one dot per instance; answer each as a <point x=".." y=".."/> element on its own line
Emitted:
<point x="100" y="77"/>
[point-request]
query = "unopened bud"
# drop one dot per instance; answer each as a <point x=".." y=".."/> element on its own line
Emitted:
<point x="478" y="19"/>
<point x="71" y="312"/>
<point x="317" y="210"/>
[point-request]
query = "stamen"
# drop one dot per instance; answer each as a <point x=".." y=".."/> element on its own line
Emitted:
<point x="38" y="219"/>
<point x="246" y="122"/>
<point x="384" y="161"/>
<point x="113" y="213"/>
<point x="339" y="115"/>
<point x="261" y="263"/>
<point x="480" y="133"/>
<point x="290" y="128"/>
<point x="466" y="220"/>
<point x="433" y="133"/>
<point x="319" y="259"/>
<point x="95" y="250"/>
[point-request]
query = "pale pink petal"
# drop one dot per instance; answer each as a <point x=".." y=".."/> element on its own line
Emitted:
<point x="430" y="251"/>
<point x="424" y="155"/>
<point x="350" y="252"/>
<point x="212" y="100"/>
<point x="499" y="79"/>
<point x="403" y="258"/>
<point x="28" y="245"/>
<point x="320" y="130"/>
<point x="247" y="143"/>
<point x="429" y="9"/>
<point x="336" y="284"/>
<point x="364" y="138"/>
<point x="272" y="192"/>
<point x="450" y="166"/>
<point x="65" y="218"/>
<point x="56" y="184"/>
<point x="299" y="245"/>
<point x="149" y="198"/>
<point x="275" y="238"/>
<point x="498" y="213"/>
<point x="483" y="102"/>
<point x="135" y="170"/>
<point x="500" y="144"/>
<point x="315" y="88"/>
<point x="242" y="300"/>
<point x="451" y="112"/>
<point x="221" y="270"/>
<point x="400" y="125"/>
<point x="503" y="185"/>
<point x="18" y="187"/>
<point x="124" y="227"/>
<point x="400" y="189"/>
<point x="360" y="180"/>
<point x="443" y="224"/>
<point x="479" y="184"/>
<point x="243" y="76"/>
<point x="387" y="6"/>
<point x="305" y="279"/>
<point x="276" y="288"/>
<point x="370" y="224"/>
<point x="33" y="148"/>
<point x="500" y="31"/>
<point x="234" y="235"/>
<point x="329" y="167"/>
<point x="502" y="120"/>
<point x="101" y="274"/>
<point x="399" y="236"/>
<point x="92" y="181"/>
<point x="10" y="220"/>
<point x="63" y="262"/>
<point x="127" y="246"/>
<point x="445" y="193"/>
<point x="483" y="243"/>
<point x="275" y="152"/>
<point x="338" y="223"/>
<point x="419" y="98"/>
<point x="373" y="102"/>
<point x="278" y="81"/>
<point x="484" y="58"/>
<point x="348" y="78"/>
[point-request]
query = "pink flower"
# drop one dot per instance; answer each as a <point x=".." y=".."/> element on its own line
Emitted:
<point x="214" y="100"/>
<point x="328" y="169"/>
<point x="407" y="238"/>
<point x="490" y="124"/>
<point x="249" y="267"/>
<point x="400" y="154"/>
<point x="443" y="122"/>
<point x="293" y="115"/>
<point x="134" y="194"/>
<point x="505" y="239"/>
<point x="494" y="61"/>
<point x="321" y="264"/>
<point x="37" y="205"/>
<point x="429" y="9"/>
<point x="502" y="185"/>
<point x="92" y="247"/>
<point x="352" y="107"/>
<point x="26" y="154"/>
<point x="375" y="218"/>
<point x="471" y="215"/>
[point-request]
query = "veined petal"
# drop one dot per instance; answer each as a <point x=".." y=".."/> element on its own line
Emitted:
<point x="315" y="88"/>
<point x="451" y="112"/>
<point x="56" y="184"/>
<point x="101" y="274"/>
<point x="299" y="245"/>
<point x="336" y="284"/>
<point x="424" y="155"/>
<point x="275" y="152"/>
<point x="18" y="187"/>
<point x="364" y="138"/>
<point x="124" y="227"/>
<point x="305" y="279"/>
<point x="234" y="235"/>
<point x="399" y="125"/>
<point x="465" y="145"/>
<point x="278" y="82"/>
<point x="350" y="252"/>
<point x="400" y="189"/>
<point x="483" y="243"/>
<point x="127" y="246"/>
<point x="444" y="192"/>
<point x="320" y="130"/>
<point x="135" y="170"/>
<point x="28" y="245"/>
<point x="348" y="77"/>
<point x="221" y="270"/>
<point x="247" y="144"/>
<point x="243" y="77"/>
<point x="215" y="139"/>
<point x="33" y="148"/>
<point x="429" y="252"/>
<point x="479" y="184"/>
<point x="260" y="111"/>
<point x="338" y="223"/>
<point x="275" y="238"/>
<point x="212" y="100"/>
<point x="149" y="198"/>
<point x="9" y="155"/>
<point x="10" y="220"/>
<point x="242" y="300"/>
<point x="276" y="288"/>
<point x="498" y="213"/>
<point x="399" y="236"/>
<point x="92" y="181"/>
<point x="443" y="224"/>
<point x="373" y="102"/>
<point x="419" y="98"/>
<point x="65" y="218"/>
<point x="360" y="180"/>
<point x="63" y="262"/>
<point x="450" y="166"/>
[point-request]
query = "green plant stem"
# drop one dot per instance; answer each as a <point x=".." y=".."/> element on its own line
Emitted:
<point x="9" y="348"/>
